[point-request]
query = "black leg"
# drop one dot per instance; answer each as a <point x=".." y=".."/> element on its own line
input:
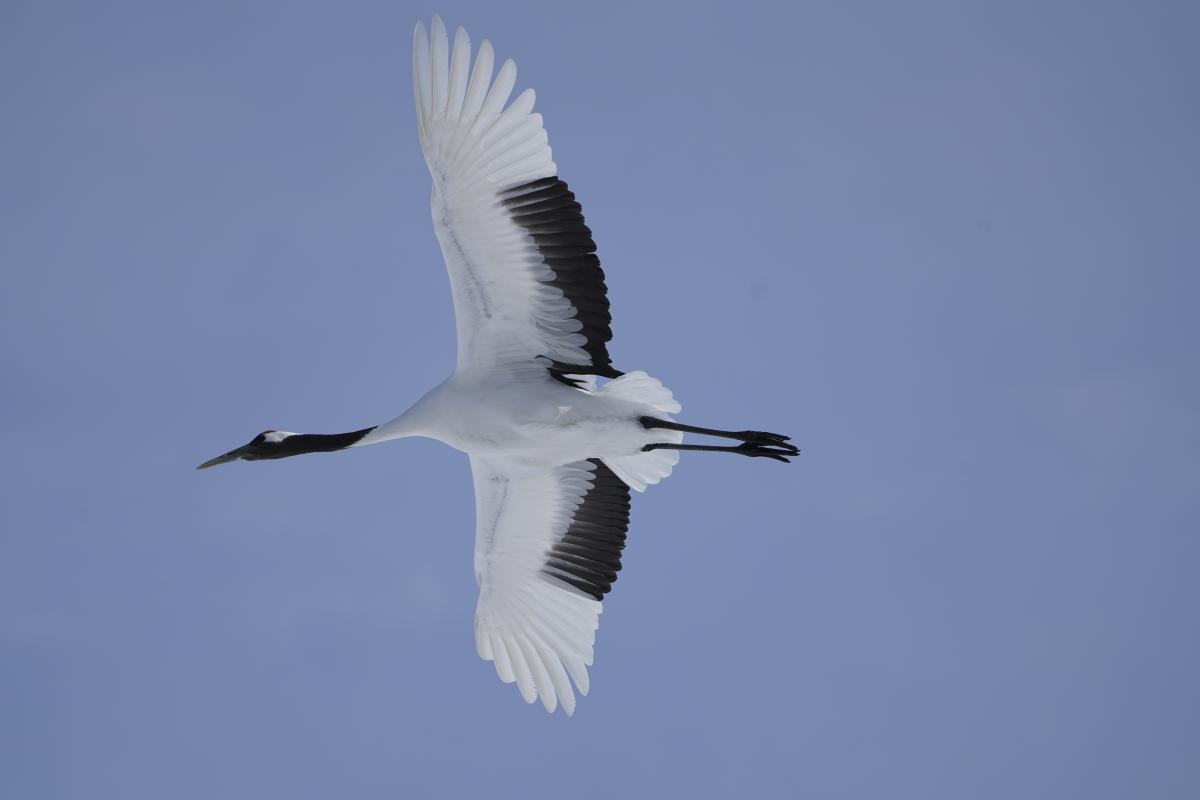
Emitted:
<point x="760" y="438"/>
<point x="751" y="449"/>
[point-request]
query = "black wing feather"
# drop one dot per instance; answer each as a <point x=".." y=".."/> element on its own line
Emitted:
<point x="547" y="209"/>
<point x="588" y="556"/>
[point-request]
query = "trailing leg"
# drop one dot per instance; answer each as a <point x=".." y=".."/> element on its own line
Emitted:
<point x="761" y="437"/>
<point x="745" y="448"/>
<point x="756" y="444"/>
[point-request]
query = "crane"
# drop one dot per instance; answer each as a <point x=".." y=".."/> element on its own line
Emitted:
<point x="557" y="437"/>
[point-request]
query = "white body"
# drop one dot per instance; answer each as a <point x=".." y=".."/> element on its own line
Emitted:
<point x="535" y="423"/>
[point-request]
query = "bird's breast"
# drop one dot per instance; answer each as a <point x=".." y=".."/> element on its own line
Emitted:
<point x="521" y="425"/>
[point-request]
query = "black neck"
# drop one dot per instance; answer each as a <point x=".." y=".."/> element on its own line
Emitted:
<point x="317" y="443"/>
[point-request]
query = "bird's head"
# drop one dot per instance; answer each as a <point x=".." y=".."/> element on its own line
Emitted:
<point x="268" y="444"/>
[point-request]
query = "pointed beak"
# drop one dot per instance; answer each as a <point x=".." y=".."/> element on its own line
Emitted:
<point x="232" y="455"/>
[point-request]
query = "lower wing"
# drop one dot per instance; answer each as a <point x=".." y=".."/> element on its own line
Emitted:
<point x="547" y="548"/>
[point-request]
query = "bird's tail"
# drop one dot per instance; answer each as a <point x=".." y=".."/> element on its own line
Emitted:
<point x="645" y="468"/>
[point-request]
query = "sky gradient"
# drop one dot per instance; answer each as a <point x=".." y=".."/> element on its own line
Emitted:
<point x="951" y="248"/>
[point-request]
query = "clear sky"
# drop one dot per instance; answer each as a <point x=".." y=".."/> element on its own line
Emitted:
<point x="952" y="248"/>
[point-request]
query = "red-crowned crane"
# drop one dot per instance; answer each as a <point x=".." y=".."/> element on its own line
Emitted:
<point x="554" y="451"/>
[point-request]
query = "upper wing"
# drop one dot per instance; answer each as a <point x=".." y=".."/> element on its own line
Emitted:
<point x="547" y="548"/>
<point x="523" y="269"/>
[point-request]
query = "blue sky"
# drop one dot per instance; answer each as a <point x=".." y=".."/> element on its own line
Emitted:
<point x="950" y="247"/>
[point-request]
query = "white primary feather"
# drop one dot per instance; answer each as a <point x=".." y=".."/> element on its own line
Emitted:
<point x="538" y="631"/>
<point x="507" y="312"/>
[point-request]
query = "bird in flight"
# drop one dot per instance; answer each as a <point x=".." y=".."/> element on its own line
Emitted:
<point x="554" y="449"/>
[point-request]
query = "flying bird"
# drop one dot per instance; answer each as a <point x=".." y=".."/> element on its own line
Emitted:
<point x="556" y="435"/>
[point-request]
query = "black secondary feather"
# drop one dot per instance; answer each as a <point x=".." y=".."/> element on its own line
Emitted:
<point x="588" y="556"/>
<point x="547" y="209"/>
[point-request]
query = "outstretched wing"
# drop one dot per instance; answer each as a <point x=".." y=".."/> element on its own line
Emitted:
<point x="527" y="284"/>
<point x="547" y="548"/>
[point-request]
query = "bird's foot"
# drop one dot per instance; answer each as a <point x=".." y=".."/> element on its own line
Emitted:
<point x="759" y="450"/>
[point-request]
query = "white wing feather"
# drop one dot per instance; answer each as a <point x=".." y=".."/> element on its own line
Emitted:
<point x="537" y="631"/>
<point x="507" y="313"/>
